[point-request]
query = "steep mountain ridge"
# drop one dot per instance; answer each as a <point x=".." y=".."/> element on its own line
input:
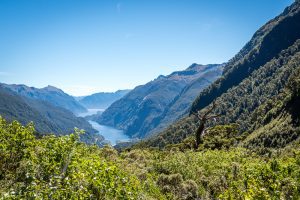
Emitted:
<point x="180" y="105"/>
<point x="15" y="107"/>
<point x="142" y="109"/>
<point x="50" y="94"/>
<point x="242" y="102"/>
<point x="267" y="42"/>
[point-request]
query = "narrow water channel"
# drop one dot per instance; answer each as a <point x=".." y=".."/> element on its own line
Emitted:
<point x="112" y="135"/>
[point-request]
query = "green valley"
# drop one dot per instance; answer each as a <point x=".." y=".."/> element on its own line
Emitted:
<point x="215" y="131"/>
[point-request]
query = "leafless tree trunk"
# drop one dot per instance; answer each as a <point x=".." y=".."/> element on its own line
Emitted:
<point x="203" y="119"/>
<point x="199" y="133"/>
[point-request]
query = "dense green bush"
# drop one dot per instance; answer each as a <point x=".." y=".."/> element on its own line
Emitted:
<point x="251" y="82"/>
<point x="63" y="168"/>
<point x="57" y="168"/>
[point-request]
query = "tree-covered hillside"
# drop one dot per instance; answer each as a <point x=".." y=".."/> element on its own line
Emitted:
<point x="266" y="44"/>
<point x="248" y="101"/>
<point x="48" y="118"/>
<point x="180" y="105"/>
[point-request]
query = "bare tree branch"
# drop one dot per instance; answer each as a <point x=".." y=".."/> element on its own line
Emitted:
<point x="203" y="119"/>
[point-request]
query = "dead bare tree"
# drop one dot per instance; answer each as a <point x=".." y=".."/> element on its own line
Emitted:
<point x="203" y="118"/>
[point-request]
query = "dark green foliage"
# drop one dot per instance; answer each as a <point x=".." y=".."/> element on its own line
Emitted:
<point x="278" y="120"/>
<point x="255" y="101"/>
<point x="174" y="134"/>
<point x="218" y="137"/>
<point x="294" y="84"/>
<point x="174" y="186"/>
<point x="221" y="137"/>
<point x="267" y="43"/>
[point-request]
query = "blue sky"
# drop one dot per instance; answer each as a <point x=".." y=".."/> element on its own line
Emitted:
<point x="86" y="46"/>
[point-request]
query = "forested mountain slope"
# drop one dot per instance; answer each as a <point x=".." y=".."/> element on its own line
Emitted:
<point x="49" y="94"/>
<point x="266" y="73"/>
<point x="144" y="108"/>
<point x="15" y="107"/>
<point x="277" y="35"/>
<point x="46" y="117"/>
<point x="276" y="123"/>
<point x="180" y="106"/>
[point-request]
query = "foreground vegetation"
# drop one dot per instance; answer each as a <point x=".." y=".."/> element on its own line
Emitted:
<point x="57" y="167"/>
<point x="54" y="167"/>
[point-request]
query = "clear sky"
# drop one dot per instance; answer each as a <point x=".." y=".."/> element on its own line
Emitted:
<point x="86" y="46"/>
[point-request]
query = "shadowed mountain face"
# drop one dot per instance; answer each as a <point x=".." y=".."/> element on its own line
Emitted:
<point x="277" y="35"/>
<point x="46" y="117"/>
<point x="159" y="102"/>
<point x="49" y="94"/>
<point x="180" y="106"/>
<point x="101" y="99"/>
<point x="254" y="88"/>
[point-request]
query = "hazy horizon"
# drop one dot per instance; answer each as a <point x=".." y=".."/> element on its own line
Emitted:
<point x="83" y="47"/>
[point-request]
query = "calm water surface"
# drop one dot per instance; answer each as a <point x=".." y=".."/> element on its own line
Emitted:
<point x="112" y="135"/>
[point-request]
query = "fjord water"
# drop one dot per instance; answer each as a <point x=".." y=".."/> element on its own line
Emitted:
<point x="111" y="135"/>
<point x="91" y="112"/>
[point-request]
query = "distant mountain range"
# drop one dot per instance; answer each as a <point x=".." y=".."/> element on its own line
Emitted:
<point x="19" y="102"/>
<point x="49" y="94"/>
<point x="153" y="106"/>
<point x="101" y="100"/>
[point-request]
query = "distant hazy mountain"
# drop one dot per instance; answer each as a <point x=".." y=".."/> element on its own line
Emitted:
<point x="46" y="117"/>
<point x="49" y="94"/>
<point x="147" y="106"/>
<point x="101" y="99"/>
